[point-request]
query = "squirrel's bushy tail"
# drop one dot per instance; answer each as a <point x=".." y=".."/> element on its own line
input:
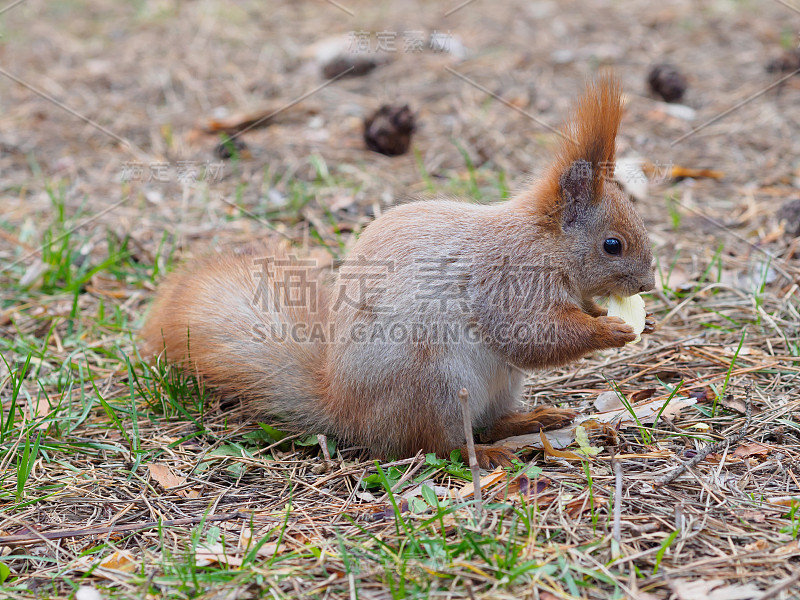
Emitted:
<point x="252" y="326"/>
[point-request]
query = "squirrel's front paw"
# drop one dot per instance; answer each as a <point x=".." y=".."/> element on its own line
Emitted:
<point x="614" y="332"/>
<point x="490" y="457"/>
<point x="649" y="323"/>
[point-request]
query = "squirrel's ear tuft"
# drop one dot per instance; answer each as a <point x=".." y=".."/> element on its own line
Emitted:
<point x="576" y="191"/>
<point x="591" y="133"/>
<point x="587" y="152"/>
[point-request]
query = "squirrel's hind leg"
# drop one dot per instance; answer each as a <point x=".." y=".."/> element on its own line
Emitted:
<point x="541" y="418"/>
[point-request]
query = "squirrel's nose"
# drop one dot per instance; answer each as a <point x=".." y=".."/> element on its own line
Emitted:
<point x="649" y="284"/>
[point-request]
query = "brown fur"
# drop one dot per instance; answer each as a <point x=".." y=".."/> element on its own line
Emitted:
<point x="534" y="263"/>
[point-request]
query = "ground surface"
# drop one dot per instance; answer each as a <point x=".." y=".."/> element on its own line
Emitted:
<point x="106" y="182"/>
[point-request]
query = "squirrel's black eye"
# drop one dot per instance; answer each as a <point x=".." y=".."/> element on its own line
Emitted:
<point x="612" y="246"/>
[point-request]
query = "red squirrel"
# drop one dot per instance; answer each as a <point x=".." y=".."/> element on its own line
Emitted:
<point x="435" y="296"/>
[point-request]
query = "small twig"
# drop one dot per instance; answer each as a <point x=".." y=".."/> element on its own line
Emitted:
<point x="711" y="448"/>
<point x="323" y="444"/>
<point x="463" y="397"/>
<point x="669" y="424"/>
<point x="326" y="464"/>
<point x="26" y="538"/>
<point x="616" y="534"/>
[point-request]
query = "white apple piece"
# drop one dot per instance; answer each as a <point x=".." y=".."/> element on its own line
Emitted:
<point x="631" y="310"/>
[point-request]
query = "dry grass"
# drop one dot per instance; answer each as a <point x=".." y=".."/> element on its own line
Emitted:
<point x="87" y="430"/>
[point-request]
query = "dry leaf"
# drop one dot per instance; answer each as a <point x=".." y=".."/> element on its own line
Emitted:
<point x="120" y="561"/>
<point x="712" y="589"/>
<point x="581" y="505"/>
<point x="734" y="404"/>
<point x="646" y="412"/>
<point x="754" y="449"/>
<point x="107" y="286"/>
<point x="600" y="433"/>
<point x="754" y="516"/>
<point x="523" y="487"/>
<point x="209" y="554"/>
<point x="164" y="476"/>
<point x="388" y="512"/>
<point x="642" y="395"/>
<point x="608" y="400"/>
<point x="550" y="451"/>
<point x="486" y="481"/>
<point x="757" y="546"/>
